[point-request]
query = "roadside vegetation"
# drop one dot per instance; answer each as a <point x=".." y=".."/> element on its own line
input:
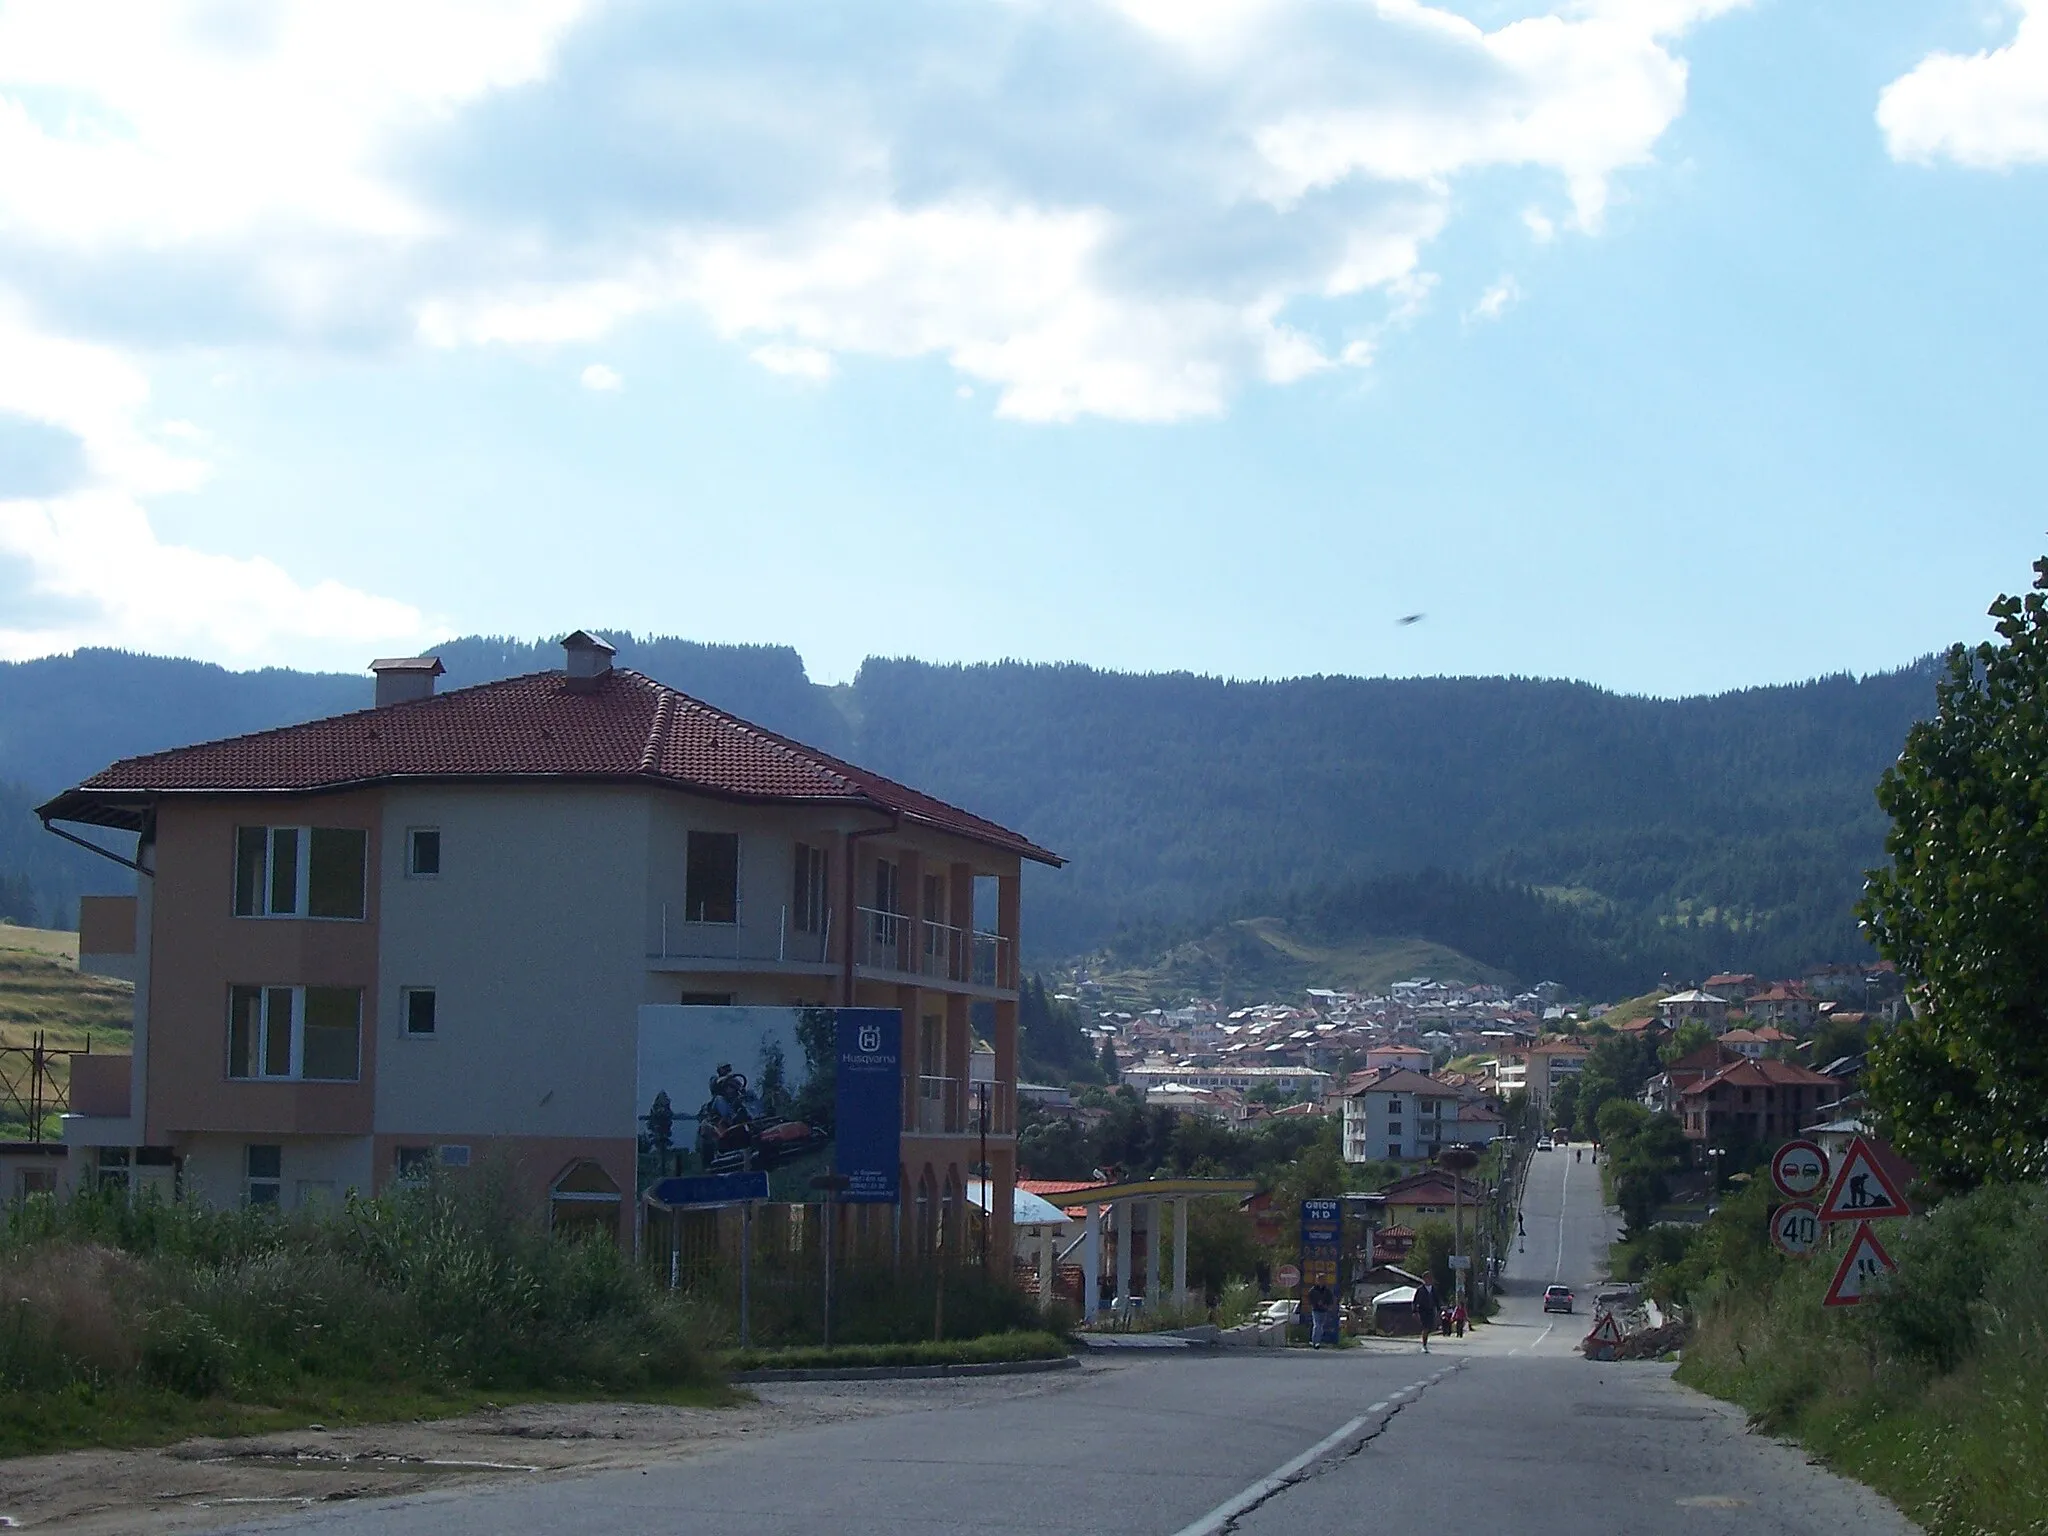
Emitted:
<point x="990" y="1349"/>
<point x="132" y="1324"/>
<point x="1935" y="1393"/>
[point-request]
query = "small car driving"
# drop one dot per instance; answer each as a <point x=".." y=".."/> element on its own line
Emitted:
<point x="1557" y="1298"/>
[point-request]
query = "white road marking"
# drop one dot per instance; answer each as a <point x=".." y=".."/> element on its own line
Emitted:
<point x="1221" y="1516"/>
<point x="1265" y="1487"/>
<point x="1563" y="1200"/>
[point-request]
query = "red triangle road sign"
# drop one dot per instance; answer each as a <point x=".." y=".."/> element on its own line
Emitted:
<point x="1606" y="1331"/>
<point x="1865" y="1188"/>
<point x="1861" y="1265"/>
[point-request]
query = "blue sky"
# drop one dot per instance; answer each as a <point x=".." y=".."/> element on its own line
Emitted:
<point x="1676" y="345"/>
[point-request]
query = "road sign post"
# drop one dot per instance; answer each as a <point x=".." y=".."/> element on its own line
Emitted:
<point x="1795" y="1229"/>
<point x="1862" y="1266"/>
<point x="1322" y="1241"/>
<point x="1864" y="1189"/>
<point x="1799" y="1168"/>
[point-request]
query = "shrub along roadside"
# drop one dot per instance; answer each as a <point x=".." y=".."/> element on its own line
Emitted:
<point x="1936" y="1394"/>
<point x="998" y="1348"/>
<point x="126" y="1324"/>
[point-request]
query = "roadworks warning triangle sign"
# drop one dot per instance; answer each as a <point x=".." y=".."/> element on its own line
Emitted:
<point x="1861" y="1266"/>
<point x="1864" y="1188"/>
<point x="1606" y="1331"/>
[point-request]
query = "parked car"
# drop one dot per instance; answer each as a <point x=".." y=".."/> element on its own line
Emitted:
<point x="1557" y="1298"/>
<point x="1543" y="1144"/>
<point x="1278" y="1312"/>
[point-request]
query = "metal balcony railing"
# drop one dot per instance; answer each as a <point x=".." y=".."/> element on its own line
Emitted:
<point x="774" y="942"/>
<point x="951" y="1106"/>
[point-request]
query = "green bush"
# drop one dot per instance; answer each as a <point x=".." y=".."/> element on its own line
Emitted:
<point x="441" y="1288"/>
<point x="183" y="1352"/>
<point x="1935" y="1392"/>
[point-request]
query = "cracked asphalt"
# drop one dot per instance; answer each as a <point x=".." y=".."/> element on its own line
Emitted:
<point x="1508" y="1430"/>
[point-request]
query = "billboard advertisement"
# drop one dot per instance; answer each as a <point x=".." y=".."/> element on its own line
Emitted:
<point x="791" y="1093"/>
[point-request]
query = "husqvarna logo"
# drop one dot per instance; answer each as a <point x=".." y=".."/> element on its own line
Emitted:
<point x="870" y="1039"/>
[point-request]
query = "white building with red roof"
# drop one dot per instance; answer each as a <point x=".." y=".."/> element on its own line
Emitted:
<point x="424" y="931"/>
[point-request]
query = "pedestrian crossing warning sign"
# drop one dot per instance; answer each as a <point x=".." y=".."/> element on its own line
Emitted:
<point x="1864" y="1188"/>
<point x="1861" y="1266"/>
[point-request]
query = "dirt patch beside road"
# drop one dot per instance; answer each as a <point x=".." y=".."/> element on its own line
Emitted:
<point x="204" y="1484"/>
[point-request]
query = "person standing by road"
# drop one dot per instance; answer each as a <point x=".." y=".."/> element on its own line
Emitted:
<point x="1425" y="1311"/>
<point x="1318" y="1314"/>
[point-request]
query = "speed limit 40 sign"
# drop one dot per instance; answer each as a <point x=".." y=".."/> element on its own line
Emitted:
<point x="1795" y="1228"/>
<point x="1799" y="1169"/>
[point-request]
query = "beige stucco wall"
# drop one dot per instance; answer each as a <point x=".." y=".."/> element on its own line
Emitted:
<point x="531" y="939"/>
<point x="214" y="1166"/>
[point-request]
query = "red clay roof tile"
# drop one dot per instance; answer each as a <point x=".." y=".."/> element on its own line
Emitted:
<point x="535" y="727"/>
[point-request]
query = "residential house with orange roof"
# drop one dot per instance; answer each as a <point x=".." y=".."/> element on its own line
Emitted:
<point x="1752" y="1101"/>
<point x="421" y="934"/>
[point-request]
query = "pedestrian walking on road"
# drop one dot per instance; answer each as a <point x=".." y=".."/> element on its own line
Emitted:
<point x="1458" y="1319"/>
<point x="1425" y="1311"/>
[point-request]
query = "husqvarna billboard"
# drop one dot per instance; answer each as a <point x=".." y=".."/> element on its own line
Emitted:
<point x="790" y="1092"/>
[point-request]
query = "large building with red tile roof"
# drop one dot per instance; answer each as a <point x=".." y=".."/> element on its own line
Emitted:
<point x="423" y="933"/>
<point x="1752" y="1101"/>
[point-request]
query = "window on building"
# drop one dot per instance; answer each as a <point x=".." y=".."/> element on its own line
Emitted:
<point x="263" y="1173"/>
<point x="300" y="871"/>
<point x="413" y="1164"/>
<point x="454" y="1154"/>
<point x="810" y="892"/>
<point x="309" y="1034"/>
<point x="423" y="853"/>
<point x="34" y="1181"/>
<point x="1393" y="1127"/>
<point x="888" y="933"/>
<point x="1394" y="1151"/>
<point x="110" y="1168"/>
<point x="1393" y="1106"/>
<point x="705" y="999"/>
<point x="711" y="878"/>
<point x="418" y="1005"/>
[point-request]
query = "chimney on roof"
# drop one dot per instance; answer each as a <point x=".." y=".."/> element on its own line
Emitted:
<point x="401" y="679"/>
<point x="589" y="660"/>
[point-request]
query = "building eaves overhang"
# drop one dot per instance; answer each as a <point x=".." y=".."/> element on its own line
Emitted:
<point x="651" y="734"/>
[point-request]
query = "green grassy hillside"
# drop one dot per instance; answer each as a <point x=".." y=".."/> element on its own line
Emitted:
<point x="41" y="989"/>
<point x="1262" y="959"/>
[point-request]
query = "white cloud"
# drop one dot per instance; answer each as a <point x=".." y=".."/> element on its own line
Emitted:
<point x="1495" y="301"/>
<point x="813" y="363"/>
<point x="1987" y="110"/>
<point x="1540" y="225"/>
<point x="1122" y="208"/>
<point x="1113" y="207"/>
<point x="90" y="571"/>
<point x="79" y="564"/>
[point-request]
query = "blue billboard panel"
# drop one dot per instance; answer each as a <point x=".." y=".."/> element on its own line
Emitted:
<point x="791" y="1094"/>
<point x="867" y="1150"/>
<point x="709" y="1189"/>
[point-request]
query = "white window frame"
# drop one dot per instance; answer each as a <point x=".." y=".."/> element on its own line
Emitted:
<point x="412" y="871"/>
<point x="405" y="1029"/>
<point x="298" y="1036"/>
<point x="302" y="894"/>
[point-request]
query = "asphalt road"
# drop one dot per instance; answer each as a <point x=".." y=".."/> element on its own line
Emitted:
<point x="1506" y="1431"/>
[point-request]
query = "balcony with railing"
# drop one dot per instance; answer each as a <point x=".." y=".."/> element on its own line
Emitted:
<point x="903" y="945"/>
<point x="748" y="941"/>
<point x="951" y="1106"/>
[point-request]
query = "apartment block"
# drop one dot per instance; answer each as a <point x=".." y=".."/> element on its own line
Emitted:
<point x="420" y="935"/>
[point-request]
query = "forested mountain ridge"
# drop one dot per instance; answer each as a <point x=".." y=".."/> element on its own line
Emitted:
<point x="1745" y="819"/>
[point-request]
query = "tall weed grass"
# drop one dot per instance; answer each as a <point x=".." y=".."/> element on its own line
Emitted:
<point x="437" y="1290"/>
<point x="1936" y="1393"/>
